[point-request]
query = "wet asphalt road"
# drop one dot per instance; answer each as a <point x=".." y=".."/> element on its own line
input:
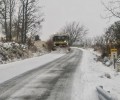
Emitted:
<point x="52" y="81"/>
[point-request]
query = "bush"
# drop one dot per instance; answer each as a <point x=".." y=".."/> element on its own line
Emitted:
<point x="50" y="44"/>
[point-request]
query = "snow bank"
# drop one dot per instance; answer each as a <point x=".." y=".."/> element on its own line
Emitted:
<point x="91" y="74"/>
<point x="8" y="71"/>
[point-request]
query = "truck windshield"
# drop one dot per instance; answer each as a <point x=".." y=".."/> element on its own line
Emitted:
<point x="60" y="38"/>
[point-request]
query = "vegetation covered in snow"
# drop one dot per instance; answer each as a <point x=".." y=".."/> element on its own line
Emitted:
<point x="11" y="51"/>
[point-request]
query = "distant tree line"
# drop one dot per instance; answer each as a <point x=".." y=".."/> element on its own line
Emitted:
<point x="20" y="17"/>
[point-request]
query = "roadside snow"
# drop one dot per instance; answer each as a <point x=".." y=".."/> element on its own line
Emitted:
<point x="91" y="74"/>
<point x="88" y="75"/>
<point x="8" y="71"/>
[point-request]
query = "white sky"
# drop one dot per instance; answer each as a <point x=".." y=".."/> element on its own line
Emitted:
<point x="87" y="12"/>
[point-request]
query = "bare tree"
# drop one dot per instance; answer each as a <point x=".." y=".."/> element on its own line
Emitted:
<point x="112" y="34"/>
<point x="11" y="12"/>
<point x="4" y="16"/>
<point x="18" y="25"/>
<point x="21" y="19"/>
<point x="112" y="9"/>
<point x="30" y="18"/>
<point x="75" y="31"/>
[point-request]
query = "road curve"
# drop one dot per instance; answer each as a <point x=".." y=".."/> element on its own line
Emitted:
<point x="52" y="81"/>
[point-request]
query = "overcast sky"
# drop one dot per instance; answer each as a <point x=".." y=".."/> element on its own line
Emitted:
<point x="59" y="12"/>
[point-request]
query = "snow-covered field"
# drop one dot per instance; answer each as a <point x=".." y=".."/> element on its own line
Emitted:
<point x="88" y="75"/>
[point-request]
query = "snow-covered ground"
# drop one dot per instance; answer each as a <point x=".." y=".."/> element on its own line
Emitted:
<point x="10" y="70"/>
<point x="88" y="75"/>
<point x="91" y="74"/>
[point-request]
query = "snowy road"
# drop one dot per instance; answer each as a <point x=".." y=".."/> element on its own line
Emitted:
<point x="52" y="81"/>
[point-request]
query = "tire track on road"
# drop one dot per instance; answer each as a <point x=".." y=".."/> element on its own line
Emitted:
<point x="52" y="87"/>
<point x="63" y="87"/>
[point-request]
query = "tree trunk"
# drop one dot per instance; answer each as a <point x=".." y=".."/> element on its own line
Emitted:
<point x="26" y="8"/>
<point x="23" y="25"/>
<point x="6" y="31"/>
<point x="10" y="36"/>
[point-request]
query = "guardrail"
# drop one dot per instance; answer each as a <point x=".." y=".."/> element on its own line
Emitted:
<point x="104" y="95"/>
